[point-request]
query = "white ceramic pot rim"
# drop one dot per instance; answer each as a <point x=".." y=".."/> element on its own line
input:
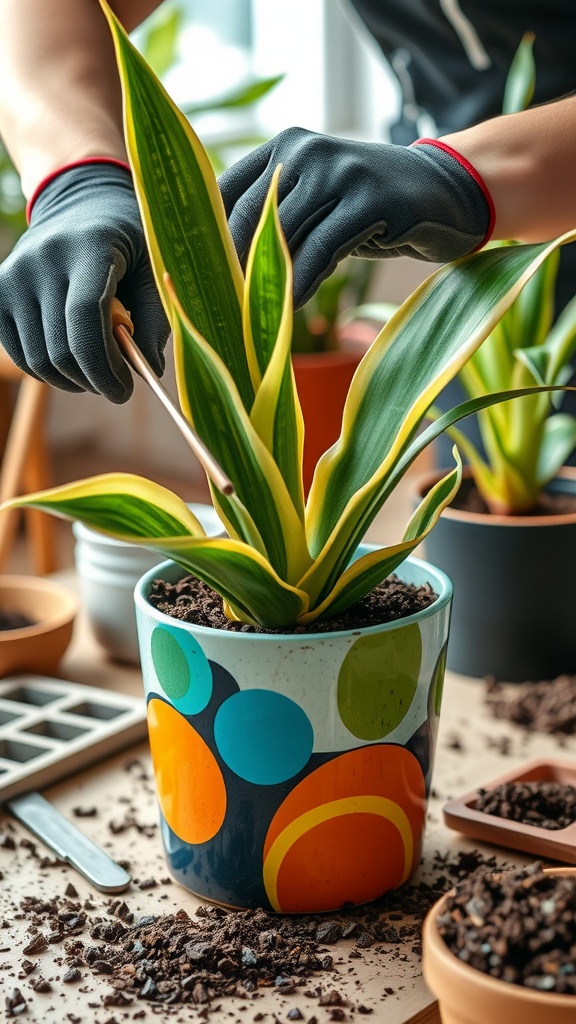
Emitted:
<point x="426" y="480"/>
<point x="436" y="577"/>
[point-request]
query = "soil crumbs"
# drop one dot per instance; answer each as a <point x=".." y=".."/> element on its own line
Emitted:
<point x="518" y="925"/>
<point x="191" y="600"/>
<point x="550" y="805"/>
<point x="548" y="706"/>
<point x="171" y="959"/>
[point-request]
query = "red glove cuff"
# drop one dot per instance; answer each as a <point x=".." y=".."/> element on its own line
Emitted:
<point x="68" y="167"/>
<point x="474" y="174"/>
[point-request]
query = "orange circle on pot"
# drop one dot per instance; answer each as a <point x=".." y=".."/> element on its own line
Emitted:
<point x="189" y="783"/>
<point x="348" y="832"/>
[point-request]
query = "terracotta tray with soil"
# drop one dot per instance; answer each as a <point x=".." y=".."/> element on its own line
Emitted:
<point x="531" y="808"/>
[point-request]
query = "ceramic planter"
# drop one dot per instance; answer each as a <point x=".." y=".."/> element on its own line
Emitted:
<point x="107" y="571"/>
<point x="469" y="996"/>
<point x="292" y="770"/>
<point x="513" y="577"/>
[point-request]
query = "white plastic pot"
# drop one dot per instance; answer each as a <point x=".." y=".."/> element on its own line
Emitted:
<point x="108" y="570"/>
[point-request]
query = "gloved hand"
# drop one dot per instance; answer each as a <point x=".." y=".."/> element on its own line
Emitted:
<point x="84" y="245"/>
<point x="338" y="197"/>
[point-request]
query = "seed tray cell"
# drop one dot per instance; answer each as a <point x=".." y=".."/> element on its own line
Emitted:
<point x="52" y="728"/>
<point x="462" y="816"/>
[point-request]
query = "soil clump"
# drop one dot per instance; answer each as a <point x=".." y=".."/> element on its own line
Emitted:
<point x="550" y="805"/>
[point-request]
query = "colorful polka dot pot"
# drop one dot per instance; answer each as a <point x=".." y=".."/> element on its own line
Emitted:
<point x="292" y="771"/>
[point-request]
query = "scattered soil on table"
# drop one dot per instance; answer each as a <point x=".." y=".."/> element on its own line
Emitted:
<point x="548" y="706"/>
<point x="191" y="600"/>
<point x="14" y="620"/>
<point x="469" y="499"/>
<point x="517" y="925"/>
<point x="550" y="805"/>
<point x="174" y="958"/>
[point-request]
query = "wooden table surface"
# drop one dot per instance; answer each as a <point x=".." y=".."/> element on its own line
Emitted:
<point x="469" y="753"/>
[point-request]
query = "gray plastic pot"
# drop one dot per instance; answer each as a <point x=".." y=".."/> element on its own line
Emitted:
<point x="514" y="589"/>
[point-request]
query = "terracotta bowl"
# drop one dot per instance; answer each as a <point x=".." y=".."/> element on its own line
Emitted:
<point x="468" y="996"/>
<point x="52" y="609"/>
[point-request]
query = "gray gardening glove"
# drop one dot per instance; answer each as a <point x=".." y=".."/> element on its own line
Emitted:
<point x="373" y="200"/>
<point x="85" y="244"/>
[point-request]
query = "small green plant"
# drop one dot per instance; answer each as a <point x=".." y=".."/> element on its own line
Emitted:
<point x="284" y="562"/>
<point x="524" y="444"/>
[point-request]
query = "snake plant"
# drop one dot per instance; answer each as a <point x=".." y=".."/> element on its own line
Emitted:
<point x="524" y="444"/>
<point x="284" y="561"/>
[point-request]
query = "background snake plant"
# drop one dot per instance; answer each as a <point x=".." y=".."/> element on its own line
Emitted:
<point x="524" y="444"/>
<point x="284" y="561"/>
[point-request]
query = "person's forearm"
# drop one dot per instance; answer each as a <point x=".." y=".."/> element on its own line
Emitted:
<point x="527" y="161"/>
<point x="60" y="95"/>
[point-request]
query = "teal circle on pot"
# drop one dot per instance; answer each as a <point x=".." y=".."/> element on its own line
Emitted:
<point x="263" y="736"/>
<point x="182" y="669"/>
<point x="377" y="681"/>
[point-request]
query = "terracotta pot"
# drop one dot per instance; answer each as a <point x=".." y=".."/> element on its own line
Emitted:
<point x="292" y="770"/>
<point x="513" y="576"/>
<point x="322" y="380"/>
<point x="52" y="609"/>
<point x="468" y="996"/>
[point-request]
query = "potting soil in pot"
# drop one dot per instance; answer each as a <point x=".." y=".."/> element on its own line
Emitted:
<point x="191" y="600"/>
<point x="14" y="620"/>
<point x="550" y="805"/>
<point x="469" y="499"/>
<point x="519" y="926"/>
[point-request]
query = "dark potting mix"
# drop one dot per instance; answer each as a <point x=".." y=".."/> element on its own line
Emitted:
<point x="14" y="620"/>
<point x="549" y="805"/>
<point x="548" y="706"/>
<point x="191" y="600"/>
<point x="517" y="925"/>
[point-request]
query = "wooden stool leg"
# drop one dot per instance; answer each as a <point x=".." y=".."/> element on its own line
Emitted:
<point x="40" y="527"/>
<point x="26" y="425"/>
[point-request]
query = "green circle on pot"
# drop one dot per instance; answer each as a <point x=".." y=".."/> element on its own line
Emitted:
<point x="182" y="669"/>
<point x="377" y="681"/>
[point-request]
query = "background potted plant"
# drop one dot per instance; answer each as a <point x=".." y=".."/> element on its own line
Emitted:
<point x="291" y="751"/>
<point x="508" y="541"/>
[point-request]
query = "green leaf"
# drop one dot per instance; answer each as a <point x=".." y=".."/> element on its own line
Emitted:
<point x="211" y="402"/>
<point x="276" y="413"/>
<point x="243" y="96"/>
<point x="521" y="78"/>
<point x="417" y="353"/>
<point x="368" y="571"/>
<point x="182" y="211"/>
<point x="161" y="38"/>
<point x="558" y="443"/>
<point x="243" y="578"/>
<point x="123" y="505"/>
